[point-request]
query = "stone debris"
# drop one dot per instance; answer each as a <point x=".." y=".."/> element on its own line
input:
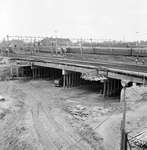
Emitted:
<point x="2" y="98"/>
<point x="100" y="110"/>
<point x="78" y="112"/>
<point x="140" y="139"/>
<point x="93" y="76"/>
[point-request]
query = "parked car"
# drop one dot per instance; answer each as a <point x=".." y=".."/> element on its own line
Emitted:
<point x="59" y="82"/>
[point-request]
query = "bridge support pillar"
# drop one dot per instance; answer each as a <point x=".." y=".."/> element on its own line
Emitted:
<point x="71" y="79"/>
<point x="17" y="71"/>
<point x="134" y="84"/>
<point x="111" y="87"/>
<point x="33" y="73"/>
<point x="108" y="88"/>
<point x="104" y="91"/>
<point x="67" y="83"/>
<point x="40" y="72"/>
<point x="49" y="72"/>
<point x="22" y="71"/>
<point x="64" y="81"/>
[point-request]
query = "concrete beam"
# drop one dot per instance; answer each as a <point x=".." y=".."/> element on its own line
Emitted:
<point x="127" y="72"/>
<point x="126" y="77"/>
<point x="66" y="72"/>
<point x="69" y="68"/>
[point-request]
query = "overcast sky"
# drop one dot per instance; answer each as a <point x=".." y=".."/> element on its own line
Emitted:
<point x="107" y="19"/>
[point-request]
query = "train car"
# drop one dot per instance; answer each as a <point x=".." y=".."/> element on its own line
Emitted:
<point x="77" y="49"/>
<point x="139" y="52"/>
<point x="102" y="50"/>
<point x="73" y="49"/>
<point x="120" y="51"/>
<point x="87" y="50"/>
<point x="113" y="51"/>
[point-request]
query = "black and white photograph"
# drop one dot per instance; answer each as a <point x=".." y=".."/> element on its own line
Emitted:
<point x="73" y="74"/>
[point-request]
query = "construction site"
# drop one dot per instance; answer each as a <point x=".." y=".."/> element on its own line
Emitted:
<point x="84" y="113"/>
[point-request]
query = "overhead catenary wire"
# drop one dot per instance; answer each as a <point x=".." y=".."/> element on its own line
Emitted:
<point x="93" y="129"/>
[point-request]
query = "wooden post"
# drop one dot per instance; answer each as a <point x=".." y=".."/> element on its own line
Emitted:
<point x="11" y="70"/>
<point x="114" y="87"/>
<point x="108" y="88"/>
<point x="111" y="88"/>
<point x="67" y="80"/>
<point x="64" y="81"/>
<point x="104" y="91"/>
<point x="22" y="71"/>
<point x="17" y="71"/>
<point x="33" y="73"/>
<point x="75" y="79"/>
<point x="71" y="80"/>
<point x="40" y="72"/>
<point x="48" y="72"/>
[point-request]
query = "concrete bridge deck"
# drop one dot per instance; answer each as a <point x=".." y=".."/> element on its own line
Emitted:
<point x="73" y="71"/>
<point x="115" y="71"/>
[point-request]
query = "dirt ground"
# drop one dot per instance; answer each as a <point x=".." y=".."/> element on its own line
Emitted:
<point x="36" y="115"/>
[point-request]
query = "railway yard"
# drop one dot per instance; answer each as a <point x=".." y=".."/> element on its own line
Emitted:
<point x="36" y="115"/>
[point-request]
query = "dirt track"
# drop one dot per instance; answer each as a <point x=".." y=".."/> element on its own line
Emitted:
<point x="51" y="134"/>
<point x="38" y="116"/>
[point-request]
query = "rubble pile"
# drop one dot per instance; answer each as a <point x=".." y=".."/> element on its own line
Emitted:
<point x="93" y="76"/>
<point x="140" y="139"/>
<point x="77" y="112"/>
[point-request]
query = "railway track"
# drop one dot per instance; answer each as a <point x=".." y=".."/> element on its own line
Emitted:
<point x="94" y="63"/>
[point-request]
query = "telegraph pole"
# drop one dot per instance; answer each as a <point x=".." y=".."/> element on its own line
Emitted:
<point x="8" y="44"/>
<point x="123" y="145"/>
<point x="81" y="47"/>
<point x="56" y="41"/>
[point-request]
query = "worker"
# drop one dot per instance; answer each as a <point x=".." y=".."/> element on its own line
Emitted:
<point x="136" y="60"/>
<point x="143" y="61"/>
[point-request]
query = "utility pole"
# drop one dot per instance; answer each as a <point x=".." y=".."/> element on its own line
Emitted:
<point x="123" y="145"/>
<point x="8" y="45"/>
<point x="81" y="47"/>
<point x="56" y="41"/>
